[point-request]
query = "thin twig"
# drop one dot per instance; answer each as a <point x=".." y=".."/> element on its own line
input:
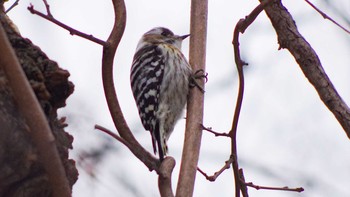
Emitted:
<point x="244" y="188"/>
<point x="209" y="129"/>
<point x="325" y="16"/>
<point x="258" y="187"/>
<point x="216" y="174"/>
<point x="12" y="6"/>
<point x="340" y="13"/>
<point x="47" y="6"/>
<point x="71" y="30"/>
<point x="112" y="134"/>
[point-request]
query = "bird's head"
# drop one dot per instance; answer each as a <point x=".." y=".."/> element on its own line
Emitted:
<point x="163" y="35"/>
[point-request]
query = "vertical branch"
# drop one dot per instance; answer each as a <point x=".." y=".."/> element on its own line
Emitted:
<point x="40" y="130"/>
<point x="193" y="134"/>
<point x="241" y="26"/>
<point x="233" y="132"/>
<point x="109" y="50"/>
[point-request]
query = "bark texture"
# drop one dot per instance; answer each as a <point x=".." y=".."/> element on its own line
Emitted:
<point x="21" y="172"/>
<point x="289" y="38"/>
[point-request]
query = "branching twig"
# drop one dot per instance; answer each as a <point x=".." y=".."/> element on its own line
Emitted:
<point x="12" y="6"/>
<point x="47" y="6"/>
<point x="216" y="174"/>
<point x="72" y="31"/>
<point x="325" y="16"/>
<point x="209" y="129"/>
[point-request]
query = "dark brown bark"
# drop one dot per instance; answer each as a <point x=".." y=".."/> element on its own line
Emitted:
<point x="21" y="171"/>
<point x="290" y="39"/>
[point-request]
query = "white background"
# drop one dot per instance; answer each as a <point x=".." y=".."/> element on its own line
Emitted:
<point x="286" y="135"/>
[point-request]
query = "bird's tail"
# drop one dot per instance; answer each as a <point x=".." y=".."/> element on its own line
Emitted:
<point x="159" y="138"/>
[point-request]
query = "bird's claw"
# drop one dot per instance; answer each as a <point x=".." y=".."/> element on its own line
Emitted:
<point x="197" y="75"/>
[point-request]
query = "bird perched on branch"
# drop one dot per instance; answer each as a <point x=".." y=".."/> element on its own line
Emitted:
<point x="160" y="78"/>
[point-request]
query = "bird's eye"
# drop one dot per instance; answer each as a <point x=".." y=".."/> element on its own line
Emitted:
<point x="164" y="33"/>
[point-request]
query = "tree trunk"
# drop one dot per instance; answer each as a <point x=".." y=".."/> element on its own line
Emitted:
<point x="21" y="172"/>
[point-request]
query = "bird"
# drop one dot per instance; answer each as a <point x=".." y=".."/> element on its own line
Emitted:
<point x="160" y="80"/>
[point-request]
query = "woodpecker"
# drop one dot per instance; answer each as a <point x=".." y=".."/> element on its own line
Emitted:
<point x="160" y="79"/>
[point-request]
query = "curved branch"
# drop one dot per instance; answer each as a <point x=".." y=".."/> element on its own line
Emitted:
<point x="290" y="38"/>
<point x="233" y="132"/>
<point x="109" y="50"/>
<point x="241" y="26"/>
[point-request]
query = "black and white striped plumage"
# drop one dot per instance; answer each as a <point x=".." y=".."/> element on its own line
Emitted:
<point x="159" y="78"/>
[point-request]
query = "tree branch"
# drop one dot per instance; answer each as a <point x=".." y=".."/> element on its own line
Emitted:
<point x="194" y="118"/>
<point x="290" y="38"/>
<point x="114" y="135"/>
<point x="12" y="6"/>
<point x="47" y="6"/>
<point x="258" y="187"/>
<point x="217" y="134"/>
<point x="164" y="179"/>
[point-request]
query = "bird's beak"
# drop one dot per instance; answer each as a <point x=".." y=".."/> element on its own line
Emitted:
<point x="184" y="36"/>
